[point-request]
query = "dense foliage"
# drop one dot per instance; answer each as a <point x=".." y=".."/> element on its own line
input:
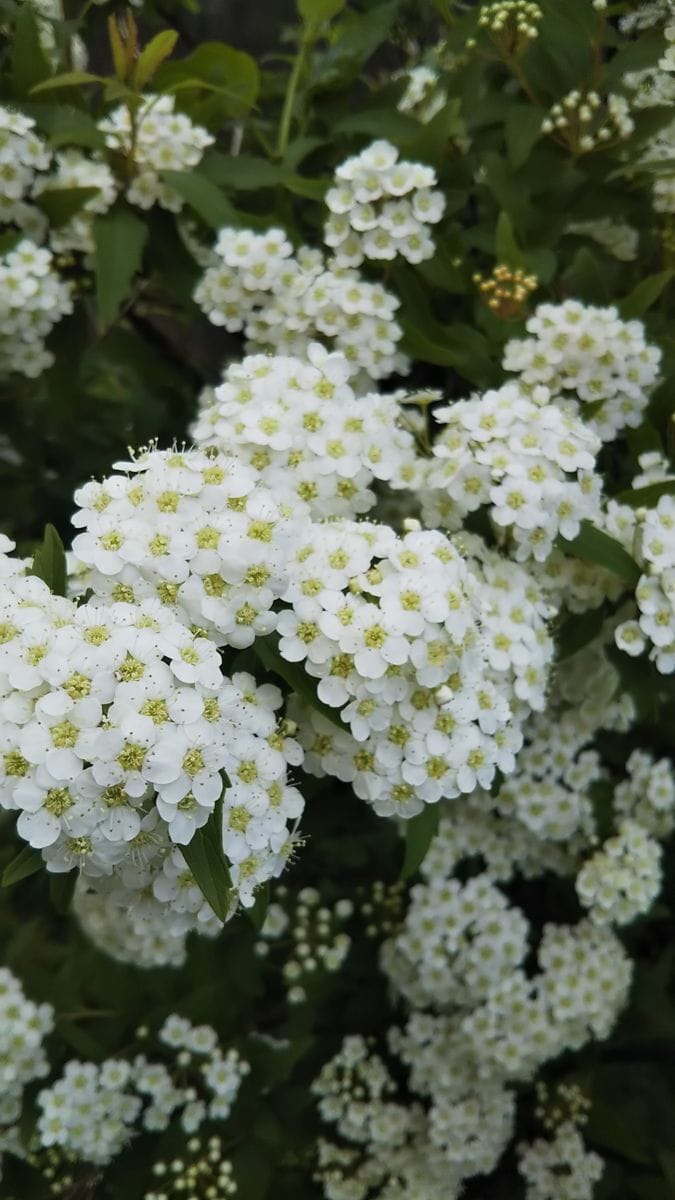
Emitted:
<point x="336" y="758"/>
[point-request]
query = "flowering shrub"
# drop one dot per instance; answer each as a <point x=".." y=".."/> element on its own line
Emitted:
<point x="337" y="602"/>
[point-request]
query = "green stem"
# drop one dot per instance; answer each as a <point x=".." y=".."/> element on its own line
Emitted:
<point x="291" y="91"/>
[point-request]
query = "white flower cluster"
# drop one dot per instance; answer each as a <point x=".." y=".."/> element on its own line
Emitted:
<point x="380" y="208"/>
<point x="586" y="121"/>
<point x="205" y="1173"/>
<point x="316" y="446"/>
<point x="160" y="139"/>
<point x="93" y="1110"/>
<point x="588" y="356"/>
<point x="23" y="1028"/>
<point x="23" y="156"/>
<point x="140" y="936"/>
<point x="118" y="726"/>
<point x="647" y="795"/>
<point x="458" y="940"/>
<point x="434" y="665"/>
<point x="654" y="627"/>
<point x="283" y="301"/>
<point x="73" y="169"/>
<point x="33" y="298"/>
<point x="622" y="878"/>
<point x="559" y="1168"/>
<point x="616" y="237"/>
<point x="310" y="935"/>
<point x="525" y="459"/>
<point x="651" y="88"/>
<point x="423" y="97"/>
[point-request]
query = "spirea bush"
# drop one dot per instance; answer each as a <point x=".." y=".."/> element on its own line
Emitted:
<point x="337" y="601"/>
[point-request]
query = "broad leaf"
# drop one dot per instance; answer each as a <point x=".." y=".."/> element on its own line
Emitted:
<point x="62" y="889"/>
<point x="315" y="12"/>
<point x="68" y="79"/>
<point x="523" y="130"/>
<point x="597" y="547"/>
<point x="419" y="834"/>
<point x="203" y="196"/>
<point x="648" y="496"/>
<point x="578" y="630"/>
<point x="233" y="75"/>
<point x="636" y="303"/>
<point x="258" y="912"/>
<point x="60" y="204"/>
<point x="205" y="857"/>
<point x="119" y="237"/>
<point x="26" y="863"/>
<point x="267" y="650"/>
<point x="49" y="562"/>
<point x="29" y="63"/>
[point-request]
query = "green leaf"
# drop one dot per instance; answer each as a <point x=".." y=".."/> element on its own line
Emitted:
<point x="60" y="204"/>
<point x="316" y="12"/>
<point x="419" y="834"/>
<point x="267" y="650"/>
<point x="241" y="172"/>
<point x="358" y="37"/>
<point x="68" y="79"/>
<point x="49" y="562"/>
<point x="205" y="857"/>
<point x="62" y="889"/>
<point x="378" y="122"/>
<point x="578" y="630"/>
<point x="597" y="547"/>
<point x="26" y="863"/>
<point x="458" y="346"/>
<point x="203" y="196"/>
<point x="119" y="237"/>
<point x="231" y="73"/>
<point x="258" y="912"/>
<point x="507" y="250"/>
<point x="523" y="130"/>
<point x="9" y="240"/>
<point x="29" y="63"/>
<point x="636" y="303"/>
<point x="648" y="496"/>
<point x="152" y="57"/>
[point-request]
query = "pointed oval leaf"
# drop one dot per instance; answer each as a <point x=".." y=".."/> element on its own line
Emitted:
<point x="267" y="650"/>
<point x="647" y="292"/>
<point x="152" y="57"/>
<point x="595" y="546"/>
<point x="205" y="857"/>
<point x="49" y="562"/>
<point x="119" y="237"/>
<point x="26" y="863"/>
<point x="419" y="834"/>
<point x="203" y="196"/>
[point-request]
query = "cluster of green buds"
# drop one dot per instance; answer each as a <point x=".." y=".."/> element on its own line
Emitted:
<point x="584" y="121"/>
<point x="311" y="935"/>
<point x="384" y="904"/>
<point x="203" y="1174"/>
<point x="512" y="24"/>
<point x="505" y="291"/>
<point x="567" y="1103"/>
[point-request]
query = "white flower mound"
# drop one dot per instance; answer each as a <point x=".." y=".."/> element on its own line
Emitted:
<point x="654" y="626"/>
<point x="33" y="298"/>
<point x="23" y="156"/>
<point x="380" y="208"/>
<point x="163" y="140"/>
<point x="23" y="1028"/>
<point x="283" y="301"/>
<point x="527" y="461"/>
<point x="591" y="360"/>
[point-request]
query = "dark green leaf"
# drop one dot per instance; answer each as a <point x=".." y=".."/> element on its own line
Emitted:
<point x="61" y="890"/>
<point x="204" y="197"/>
<point x="419" y="834"/>
<point x="597" y="547"/>
<point x="267" y="650"/>
<point x="578" y="630"/>
<point x="243" y="172"/>
<point x="29" y="63"/>
<point x="60" y="204"/>
<point x="119" y="237"/>
<point x="380" y="122"/>
<point x="459" y="346"/>
<point x="523" y="130"/>
<point x="26" y="863"/>
<point x="49" y="562"/>
<point x="231" y="72"/>
<point x="507" y="250"/>
<point x="206" y="859"/>
<point x="648" y="496"/>
<point x="636" y="303"/>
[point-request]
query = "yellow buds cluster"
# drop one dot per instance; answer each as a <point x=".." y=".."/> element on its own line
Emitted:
<point x="506" y="290"/>
<point x="512" y="24"/>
